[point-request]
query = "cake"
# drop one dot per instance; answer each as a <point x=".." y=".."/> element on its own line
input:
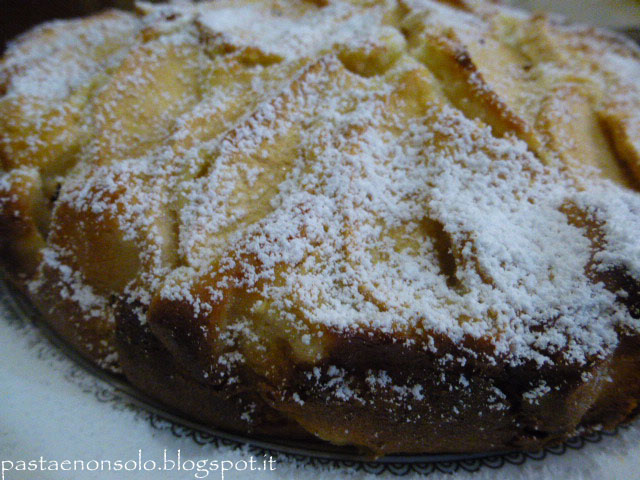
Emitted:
<point x="407" y="226"/>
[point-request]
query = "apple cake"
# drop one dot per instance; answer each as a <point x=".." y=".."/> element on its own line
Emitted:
<point x="400" y="225"/>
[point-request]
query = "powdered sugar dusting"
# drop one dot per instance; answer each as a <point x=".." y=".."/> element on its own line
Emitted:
<point x="275" y="166"/>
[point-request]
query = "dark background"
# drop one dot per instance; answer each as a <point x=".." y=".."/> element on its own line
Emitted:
<point x="16" y="16"/>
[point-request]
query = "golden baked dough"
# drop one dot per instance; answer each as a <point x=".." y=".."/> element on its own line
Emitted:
<point x="408" y="226"/>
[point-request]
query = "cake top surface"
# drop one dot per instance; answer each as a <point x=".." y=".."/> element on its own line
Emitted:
<point x="414" y="168"/>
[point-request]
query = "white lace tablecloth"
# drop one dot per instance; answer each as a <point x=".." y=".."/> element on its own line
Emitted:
<point x="52" y="408"/>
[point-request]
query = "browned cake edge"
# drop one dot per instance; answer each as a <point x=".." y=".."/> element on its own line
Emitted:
<point x="493" y="409"/>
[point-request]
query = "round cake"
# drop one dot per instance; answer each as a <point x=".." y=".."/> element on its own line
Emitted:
<point x="401" y="225"/>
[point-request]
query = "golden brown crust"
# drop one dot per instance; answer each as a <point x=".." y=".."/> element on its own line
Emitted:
<point x="493" y="408"/>
<point x="20" y="238"/>
<point x="234" y="407"/>
<point x="90" y="330"/>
